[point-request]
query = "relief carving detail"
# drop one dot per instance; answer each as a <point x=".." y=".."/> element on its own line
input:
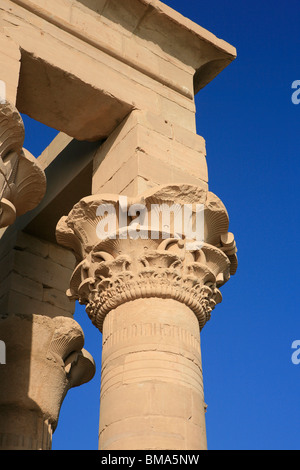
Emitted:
<point x="22" y="181"/>
<point x="123" y="266"/>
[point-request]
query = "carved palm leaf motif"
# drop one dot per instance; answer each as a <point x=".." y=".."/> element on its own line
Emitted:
<point x="123" y="267"/>
<point x="22" y="181"/>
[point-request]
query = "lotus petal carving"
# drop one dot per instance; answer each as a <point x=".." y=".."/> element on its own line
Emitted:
<point x="22" y="181"/>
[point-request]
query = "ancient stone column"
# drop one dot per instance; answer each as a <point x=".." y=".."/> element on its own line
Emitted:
<point x="150" y="290"/>
<point x="45" y="358"/>
<point x="45" y="354"/>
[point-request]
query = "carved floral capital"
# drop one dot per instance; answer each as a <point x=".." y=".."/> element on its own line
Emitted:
<point x="116" y="269"/>
<point x="22" y="181"/>
<point x="45" y="359"/>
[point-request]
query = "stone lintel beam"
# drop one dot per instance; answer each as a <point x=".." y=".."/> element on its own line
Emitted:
<point x="150" y="20"/>
<point x="146" y="57"/>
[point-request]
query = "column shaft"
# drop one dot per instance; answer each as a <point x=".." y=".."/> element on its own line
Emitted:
<point x="152" y="385"/>
<point x="22" y="429"/>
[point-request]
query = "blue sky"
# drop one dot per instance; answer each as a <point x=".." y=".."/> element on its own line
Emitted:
<point x="251" y="128"/>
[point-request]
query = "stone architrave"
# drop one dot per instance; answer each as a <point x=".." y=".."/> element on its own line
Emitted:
<point x="86" y="64"/>
<point x="22" y="181"/>
<point x="150" y="293"/>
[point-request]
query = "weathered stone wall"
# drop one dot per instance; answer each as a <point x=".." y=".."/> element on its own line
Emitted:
<point x="147" y="150"/>
<point x="34" y="276"/>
